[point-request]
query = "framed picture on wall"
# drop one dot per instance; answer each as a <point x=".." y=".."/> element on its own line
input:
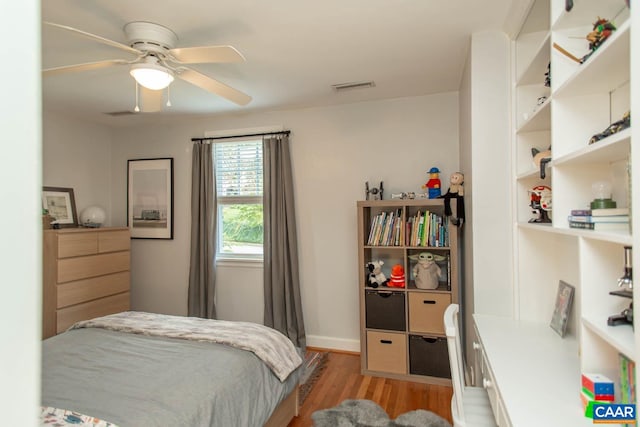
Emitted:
<point x="150" y="198"/>
<point x="562" y="310"/>
<point x="61" y="205"/>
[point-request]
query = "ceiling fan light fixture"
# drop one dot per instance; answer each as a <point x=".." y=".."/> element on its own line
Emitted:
<point x="152" y="76"/>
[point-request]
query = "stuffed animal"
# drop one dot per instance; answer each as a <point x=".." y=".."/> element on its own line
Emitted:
<point x="455" y="191"/>
<point x="375" y="276"/>
<point x="426" y="271"/>
<point x="397" y="277"/>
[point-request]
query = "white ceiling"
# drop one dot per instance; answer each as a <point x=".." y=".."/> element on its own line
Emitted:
<point x="294" y="49"/>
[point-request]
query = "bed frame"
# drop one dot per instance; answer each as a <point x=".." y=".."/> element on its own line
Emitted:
<point x="285" y="412"/>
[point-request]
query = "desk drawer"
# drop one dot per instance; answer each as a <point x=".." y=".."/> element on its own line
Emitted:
<point x="489" y="385"/>
<point x="387" y="352"/>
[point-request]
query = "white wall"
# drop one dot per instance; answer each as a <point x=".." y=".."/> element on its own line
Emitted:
<point x="334" y="151"/>
<point x="491" y="177"/>
<point x="485" y="159"/>
<point x="20" y="186"/>
<point x="78" y="155"/>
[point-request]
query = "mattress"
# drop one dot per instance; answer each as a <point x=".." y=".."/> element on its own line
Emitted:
<point x="137" y="380"/>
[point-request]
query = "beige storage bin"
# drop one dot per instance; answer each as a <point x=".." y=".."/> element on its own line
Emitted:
<point x="387" y="352"/>
<point x="426" y="311"/>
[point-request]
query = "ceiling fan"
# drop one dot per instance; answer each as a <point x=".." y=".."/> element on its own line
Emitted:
<point x="157" y="62"/>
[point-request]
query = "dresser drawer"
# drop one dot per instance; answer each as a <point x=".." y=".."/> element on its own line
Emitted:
<point x="113" y="241"/>
<point x="77" y="244"/>
<point x="71" y="269"/>
<point x="426" y="312"/>
<point x="387" y="351"/>
<point x="101" y="307"/>
<point x="80" y="291"/>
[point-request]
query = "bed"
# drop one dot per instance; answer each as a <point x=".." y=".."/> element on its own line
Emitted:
<point x="140" y="369"/>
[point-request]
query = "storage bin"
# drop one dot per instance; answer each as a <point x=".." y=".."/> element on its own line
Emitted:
<point x="429" y="356"/>
<point x="387" y="352"/>
<point x="426" y="311"/>
<point x="385" y="310"/>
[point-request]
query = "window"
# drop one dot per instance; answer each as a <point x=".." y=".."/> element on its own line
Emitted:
<point x="239" y="181"/>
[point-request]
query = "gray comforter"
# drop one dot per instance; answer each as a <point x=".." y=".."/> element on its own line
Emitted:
<point x="137" y="381"/>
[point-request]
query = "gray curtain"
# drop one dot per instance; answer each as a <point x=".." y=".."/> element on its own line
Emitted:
<point x="282" y="302"/>
<point x="202" y="274"/>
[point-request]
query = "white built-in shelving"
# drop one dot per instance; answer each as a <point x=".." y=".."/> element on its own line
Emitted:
<point x="584" y="99"/>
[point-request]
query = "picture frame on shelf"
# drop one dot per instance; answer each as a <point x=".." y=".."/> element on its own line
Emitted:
<point x="562" y="310"/>
<point x="60" y="204"/>
<point x="150" y="198"/>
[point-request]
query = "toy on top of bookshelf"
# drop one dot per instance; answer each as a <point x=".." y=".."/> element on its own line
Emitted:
<point x="540" y="203"/>
<point x="433" y="185"/>
<point x="426" y="271"/>
<point x="373" y="193"/>
<point x="455" y="191"/>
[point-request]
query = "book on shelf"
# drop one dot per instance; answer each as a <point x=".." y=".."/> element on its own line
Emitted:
<point x="386" y="229"/>
<point x="627" y="379"/>
<point x="599" y="226"/>
<point x="600" y="212"/>
<point x="589" y="218"/>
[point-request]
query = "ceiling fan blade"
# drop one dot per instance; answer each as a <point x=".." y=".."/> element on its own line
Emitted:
<point x="213" y="86"/>
<point x="96" y="38"/>
<point x="151" y="100"/>
<point x="206" y="54"/>
<point x="83" y="67"/>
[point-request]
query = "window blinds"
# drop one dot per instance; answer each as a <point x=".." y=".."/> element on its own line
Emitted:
<point x="238" y="168"/>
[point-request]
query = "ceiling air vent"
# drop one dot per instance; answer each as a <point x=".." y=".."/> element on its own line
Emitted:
<point x="353" y="85"/>
<point x="120" y="113"/>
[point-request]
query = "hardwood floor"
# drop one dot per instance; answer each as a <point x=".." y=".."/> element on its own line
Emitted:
<point x="342" y="380"/>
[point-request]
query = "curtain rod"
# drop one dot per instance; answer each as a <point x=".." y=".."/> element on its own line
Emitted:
<point x="211" y="138"/>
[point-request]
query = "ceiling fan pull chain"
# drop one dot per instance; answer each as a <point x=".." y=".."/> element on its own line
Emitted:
<point x="169" y="96"/>
<point x="137" y="108"/>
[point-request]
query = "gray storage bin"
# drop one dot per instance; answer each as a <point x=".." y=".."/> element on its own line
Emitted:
<point x="385" y="310"/>
<point x="429" y="356"/>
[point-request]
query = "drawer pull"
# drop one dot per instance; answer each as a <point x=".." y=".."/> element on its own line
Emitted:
<point x="486" y="383"/>
<point x="428" y="301"/>
<point x="386" y="342"/>
<point x="476" y="346"/>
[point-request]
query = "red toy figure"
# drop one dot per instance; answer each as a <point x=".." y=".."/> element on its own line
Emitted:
<point x="397" y="277"/>
<point x="433" y="184"/>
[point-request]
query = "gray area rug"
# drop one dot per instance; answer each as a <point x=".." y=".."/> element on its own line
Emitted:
<point x="366" y="413"/>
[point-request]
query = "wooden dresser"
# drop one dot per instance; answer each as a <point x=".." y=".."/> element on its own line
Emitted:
<point x="86" y="274"/>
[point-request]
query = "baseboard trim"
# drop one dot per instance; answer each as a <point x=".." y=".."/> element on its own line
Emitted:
<point x="331" y="343"/>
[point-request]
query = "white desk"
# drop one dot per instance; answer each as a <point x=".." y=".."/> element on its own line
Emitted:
<point x="536" y="373"/>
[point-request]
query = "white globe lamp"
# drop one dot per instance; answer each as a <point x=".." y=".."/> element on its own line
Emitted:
<point x="93" y="217"/>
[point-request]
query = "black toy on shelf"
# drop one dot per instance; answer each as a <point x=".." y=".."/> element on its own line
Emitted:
<point x="625" y="281"/>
